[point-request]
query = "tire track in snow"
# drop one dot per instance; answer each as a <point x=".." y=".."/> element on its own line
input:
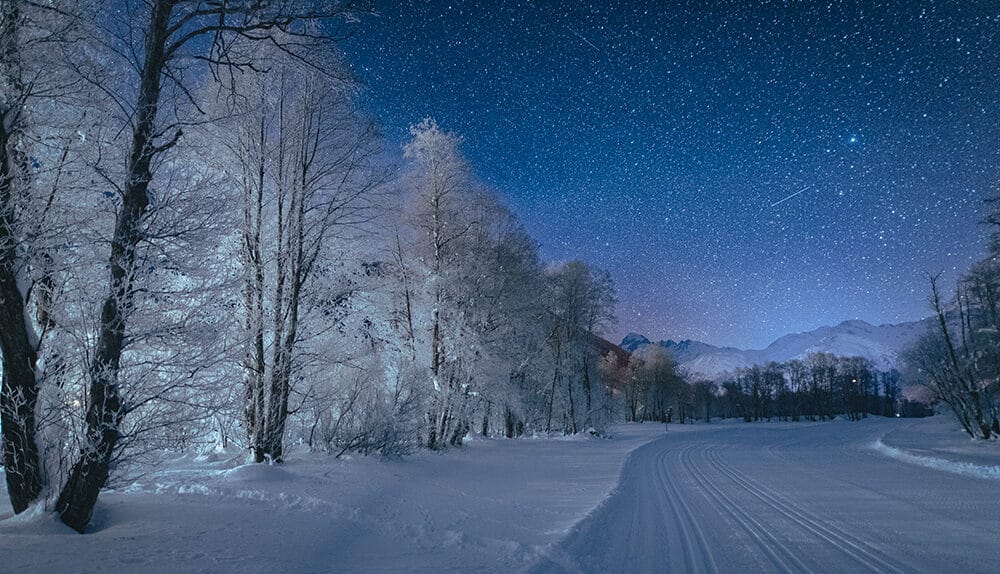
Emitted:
<point x="861" y="552"/>
<point x="778" y="554"/>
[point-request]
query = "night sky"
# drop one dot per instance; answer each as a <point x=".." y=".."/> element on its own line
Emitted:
<point x="743" y="169"/>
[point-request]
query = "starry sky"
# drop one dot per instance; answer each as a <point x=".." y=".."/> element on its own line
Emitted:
<point x="743" y="169"/>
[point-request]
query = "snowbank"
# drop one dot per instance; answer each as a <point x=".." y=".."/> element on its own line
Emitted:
<point x="957" y="467"/>
<point x="939" y="443"/>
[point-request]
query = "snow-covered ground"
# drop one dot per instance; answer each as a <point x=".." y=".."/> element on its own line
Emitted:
<point x="794" y="497"/>
<point x="490" y="506"/>
<point x="939" y="443"/>
<point x="729" y="497"/>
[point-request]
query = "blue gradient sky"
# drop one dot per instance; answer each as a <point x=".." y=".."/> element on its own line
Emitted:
<point x="743" y="169"/>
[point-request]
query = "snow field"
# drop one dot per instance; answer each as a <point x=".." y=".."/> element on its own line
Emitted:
<point x="493" y="505"/>
<point x="724" y="497"/>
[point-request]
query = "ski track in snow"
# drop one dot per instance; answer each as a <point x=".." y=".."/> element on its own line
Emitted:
<point x="852" y="547"/>
<point x="785" y="498"/>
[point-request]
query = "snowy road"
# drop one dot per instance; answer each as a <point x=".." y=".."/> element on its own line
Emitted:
<point x="796" y="498"/>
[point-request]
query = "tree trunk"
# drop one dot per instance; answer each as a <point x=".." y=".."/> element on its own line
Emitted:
<point x="106" y="410"/>
<point x="509" y="422"/>
<point x="19" y="390"/>
<point x="281" y="370"/>
<point x="552" y="392"/>
<point x="277" y="412"/>
<point x="18" y="397"/>
<point x="588" y="422"/>
<point x="254" y="362"/>
<point x="431" y="431"/>
<point x="486" y="418"/>
<point x="572" y="408"/>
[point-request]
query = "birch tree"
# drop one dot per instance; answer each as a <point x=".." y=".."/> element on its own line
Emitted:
<point x="307" y="180"/>
<point x="443" y="219"/>
<point x="166" y="37"/>
<point x="581" y="303"/>
<point x="511" y="324"/>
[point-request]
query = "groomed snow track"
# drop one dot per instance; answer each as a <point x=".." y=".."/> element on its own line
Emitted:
<point x="783" y="498"/>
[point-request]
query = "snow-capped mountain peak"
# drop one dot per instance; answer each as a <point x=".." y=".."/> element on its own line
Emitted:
<point x="882" y="344"/>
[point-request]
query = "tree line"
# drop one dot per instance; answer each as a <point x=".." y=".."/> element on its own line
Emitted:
<point x="819" y="387"/>
<point x="204" y="243"/>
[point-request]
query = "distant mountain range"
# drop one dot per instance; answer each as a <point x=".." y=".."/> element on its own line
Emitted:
<point x="882" y="344"/>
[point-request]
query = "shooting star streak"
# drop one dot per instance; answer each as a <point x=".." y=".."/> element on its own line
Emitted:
<point x="580" y="36"/>
<point x="779" y="202"/>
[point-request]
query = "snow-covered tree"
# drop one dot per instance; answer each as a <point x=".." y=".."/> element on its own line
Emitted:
<point x="957" y="359"/>
<point x="307" y="180"/>
<point x="43" y="127"/>
<point x="581" y="302"/>
<point x="150" y="55"/>
<point x="443" y="219"/>
<point x="18" y="338"/>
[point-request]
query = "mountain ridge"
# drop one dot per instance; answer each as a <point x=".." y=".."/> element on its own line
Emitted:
<point x="882" y="344"/>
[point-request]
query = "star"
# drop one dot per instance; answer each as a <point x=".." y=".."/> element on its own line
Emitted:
<point x="632" y="140"/>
